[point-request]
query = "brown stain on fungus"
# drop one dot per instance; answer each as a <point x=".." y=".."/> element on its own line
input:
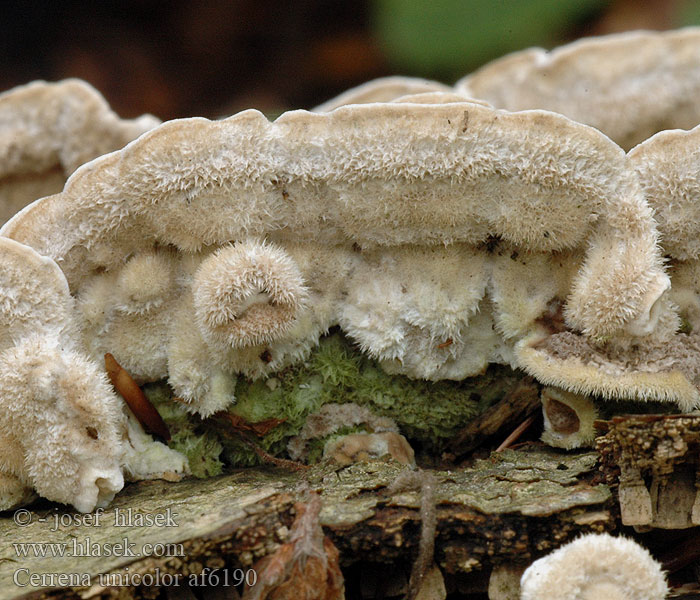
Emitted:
<point x="562" y="417"/>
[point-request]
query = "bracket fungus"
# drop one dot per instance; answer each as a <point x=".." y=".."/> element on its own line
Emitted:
<point x="440" y="234"/>
<point x="47" y="130"/>
<point x="568" y="419"/>
<point x="60" y="426"/>
<point x="593" y="567"/>
<point x="384" y="89"/>
<point x="628" y="85"/>
<point x="667" y="167"/>
<point x="63" y="432"/>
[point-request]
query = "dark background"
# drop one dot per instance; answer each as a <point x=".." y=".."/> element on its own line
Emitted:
<point x="212" y="58"/>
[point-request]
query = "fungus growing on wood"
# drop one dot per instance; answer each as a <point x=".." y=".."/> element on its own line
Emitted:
<point x="127" y="312"/>
<point x="247" y="294"/>
<point x="568" y="419"/>
<point x="333" y="417"/>
<point x="440" y="236"/>
<point x="628" y="85"/>
<point x="384" y="89"/>
<point x="61" y="424"/>
<point x="63" y="431"/>
<point x="667" y="166"/>
<point x="355" y="447"/>
<point x="47" y="130"/>
<point x="593" y="567"/>
<point x="653" y="458"/>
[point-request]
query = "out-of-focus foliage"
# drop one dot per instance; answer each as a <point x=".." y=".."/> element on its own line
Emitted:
<point x="276" y="56"/>
<point x="448" y="38"/>
<point x="689" y="12"/>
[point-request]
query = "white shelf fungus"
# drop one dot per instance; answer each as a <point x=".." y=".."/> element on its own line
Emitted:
<point x="384" y="89"/>
<point x="667" y="165"/>
<point x="440" y="236"/>
<point x="439" y="232"/>
<point x="568" y="419"/>
<point x="47" y="130"/>
<point x="628" y="85"/>
<point x="63" y="431"/>
<point x="61" y="422"/>
<point x="593" y="567"/>
<point x="247" y="294"/>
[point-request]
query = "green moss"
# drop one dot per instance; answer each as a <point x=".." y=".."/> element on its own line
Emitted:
<point x="297" y="395"/>
<point x="429" y="413"/>
<point x="426" y="411"/>
<point x="171" y="411"/>
<point x="187" y="432"/>
<point x="202" y="451"/>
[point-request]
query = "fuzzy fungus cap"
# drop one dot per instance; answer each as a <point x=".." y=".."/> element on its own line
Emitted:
<point x="247" y="294"/>
<point x="593" y="567"/>
<point x="145" y="282"/>
<point x="357" y="447"/>
<point x="34" y="296"/>
<point x="446" y="173"/>
<point x="128" y="312"/>
<point x="628" y="85"/>
<point x="665" y="370"/>
<point x="60" y="419"/>
<point x="666" y="366"/>
<point x="384" y="89"/>
<point x="60" y="408"/>
<point x="667" y="167"/>
<point x="427" y="324"/>
<point x="568" y="419"/>
<point x="47" y="130"/>
<point x="364" y="185"/>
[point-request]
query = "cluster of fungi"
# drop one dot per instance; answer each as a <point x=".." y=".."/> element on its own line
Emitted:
<point x="543" y="213"/>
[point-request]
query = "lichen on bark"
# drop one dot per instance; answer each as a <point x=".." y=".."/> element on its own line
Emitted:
<point x="513" y="506"/>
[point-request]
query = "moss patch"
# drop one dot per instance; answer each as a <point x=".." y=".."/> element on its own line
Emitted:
<point x="429" y="413"/>
<point x="188" y="434"/>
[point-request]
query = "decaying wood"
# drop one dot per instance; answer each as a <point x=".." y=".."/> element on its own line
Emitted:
<point x="516" y="433"/>
<point x="517" y="404"/>
<point x="510" y="508"/>
<point x="663" y="450"/>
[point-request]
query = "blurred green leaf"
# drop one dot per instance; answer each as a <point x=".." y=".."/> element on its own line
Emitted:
<point x="689" y="13"/>
<point x="446" y="39"/>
